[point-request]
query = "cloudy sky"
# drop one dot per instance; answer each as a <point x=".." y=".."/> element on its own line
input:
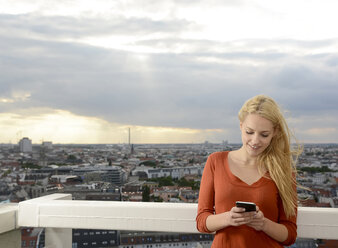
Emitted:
<point x="174" y="71"/>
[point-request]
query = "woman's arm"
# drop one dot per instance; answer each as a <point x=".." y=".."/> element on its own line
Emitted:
<point x="275" y="230"/>
<point x="206" y="197"/>
<point x="235" y="217"/>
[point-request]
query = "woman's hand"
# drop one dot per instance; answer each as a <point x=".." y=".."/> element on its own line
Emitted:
<point x="258" y="220"/>
<point x="237" y="216"/>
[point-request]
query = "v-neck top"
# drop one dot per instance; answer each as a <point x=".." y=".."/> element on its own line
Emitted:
<point x="219" y="191"/>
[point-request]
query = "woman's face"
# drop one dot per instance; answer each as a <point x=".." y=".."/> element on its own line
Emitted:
<point x="257" y="133"/>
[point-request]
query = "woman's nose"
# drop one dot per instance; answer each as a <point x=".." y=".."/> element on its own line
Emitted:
<point x="255" y="139"/>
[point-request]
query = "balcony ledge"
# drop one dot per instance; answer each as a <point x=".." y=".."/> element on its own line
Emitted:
<point x="59" y="211"/>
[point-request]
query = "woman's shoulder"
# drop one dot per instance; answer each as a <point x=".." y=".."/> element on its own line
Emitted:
<point x="216" y="160"/>
<point x="219" y="155"/>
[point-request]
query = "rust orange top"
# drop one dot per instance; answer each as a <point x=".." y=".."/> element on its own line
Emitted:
<point x="219" y="191"/>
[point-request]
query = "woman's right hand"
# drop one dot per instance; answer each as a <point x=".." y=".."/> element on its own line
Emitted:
<point x="237" y="216"/>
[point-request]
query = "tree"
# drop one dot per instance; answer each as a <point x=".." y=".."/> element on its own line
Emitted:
<point x="163" y="181"/>
<point x="149" y="163"/>
<point x="185" y="183"/>
<point x="146" y="194"/>
<point x="156" y="198"/>
<point x="7" y="172"/>
<point x="71" y="157"/>
<point x="30" y="166"/>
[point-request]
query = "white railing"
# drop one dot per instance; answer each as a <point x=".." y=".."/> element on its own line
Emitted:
<point x="10" y="235"/>
<point x="59" y="215"/>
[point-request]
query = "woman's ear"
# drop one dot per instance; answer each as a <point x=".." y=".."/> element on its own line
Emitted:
<point x="240" y="125"/>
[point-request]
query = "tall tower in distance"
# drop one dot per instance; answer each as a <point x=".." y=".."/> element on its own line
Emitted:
<point x="129" y="136"/>
<point x="25" y="145"/>
<point x="131" y="146"/>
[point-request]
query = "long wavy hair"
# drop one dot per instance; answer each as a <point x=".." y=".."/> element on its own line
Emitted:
<point x="279" y="158"/>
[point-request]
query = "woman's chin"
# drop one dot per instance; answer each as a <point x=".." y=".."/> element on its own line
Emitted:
<point x="253" y="152"/>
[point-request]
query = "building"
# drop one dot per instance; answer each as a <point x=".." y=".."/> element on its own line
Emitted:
<point x="164" y="240"/>
<point x="47" y="144"/>
<point x="175" y="172"/>
<point x="111" y="174"/>
<point x="25" y="145"/>
<point x="31" y="237"/>
<point x="83" y="238"/>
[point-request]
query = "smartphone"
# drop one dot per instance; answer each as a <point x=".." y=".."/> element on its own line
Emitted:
<point x="249" y="206"/>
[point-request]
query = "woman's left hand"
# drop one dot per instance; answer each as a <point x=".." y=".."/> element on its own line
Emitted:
<point x="258" y="220"/>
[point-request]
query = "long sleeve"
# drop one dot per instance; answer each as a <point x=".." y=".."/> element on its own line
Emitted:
<point x="289" y="223"/>
<point x="206" y="196"/>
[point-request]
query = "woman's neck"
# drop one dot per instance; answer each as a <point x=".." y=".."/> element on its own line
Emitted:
<point x="244" y="159"/>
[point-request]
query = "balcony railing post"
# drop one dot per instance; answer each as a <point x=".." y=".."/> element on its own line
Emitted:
<point x="10" y="234"/>
<point x="11" y="239"/>
<point x="58" y="237"/>
<point x="29" y="215"/>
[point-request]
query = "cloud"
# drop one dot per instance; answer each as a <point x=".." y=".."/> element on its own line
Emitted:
<point x="315" y="128"/>
<point x="61" y="27"/>
<point x="16" y="96"/>
<point x="141" y="67"/>
<point x="321" y="131"/>
<point x="62" y="126"/>
<point x="174" y="90"/>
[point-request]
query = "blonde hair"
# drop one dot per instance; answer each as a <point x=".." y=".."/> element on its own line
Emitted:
<point x="279" y="158"/>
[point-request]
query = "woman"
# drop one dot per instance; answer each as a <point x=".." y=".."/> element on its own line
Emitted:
<point x="262" y="171"/>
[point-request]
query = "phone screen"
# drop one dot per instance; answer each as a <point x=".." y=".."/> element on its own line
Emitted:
<point x="249" y="206"/>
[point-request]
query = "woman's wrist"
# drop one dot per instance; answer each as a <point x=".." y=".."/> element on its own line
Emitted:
<point x="226" y="218"/>
<point x="275" y="230"/>
<point x="265" y="224"/>
<point x="217" y="221"/>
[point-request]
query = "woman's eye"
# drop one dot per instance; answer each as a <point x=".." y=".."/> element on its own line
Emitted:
<point x="265" y="135"/>
<point x="249" y="132"/>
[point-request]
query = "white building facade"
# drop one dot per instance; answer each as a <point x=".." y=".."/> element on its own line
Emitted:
<point x="25" y="145"/>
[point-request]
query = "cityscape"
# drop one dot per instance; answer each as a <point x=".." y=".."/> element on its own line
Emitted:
<point x="141" y="172"/>
<point x="77" y="76"/>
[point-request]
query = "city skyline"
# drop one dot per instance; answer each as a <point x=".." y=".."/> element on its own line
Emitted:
<point x="172" y="71"/>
